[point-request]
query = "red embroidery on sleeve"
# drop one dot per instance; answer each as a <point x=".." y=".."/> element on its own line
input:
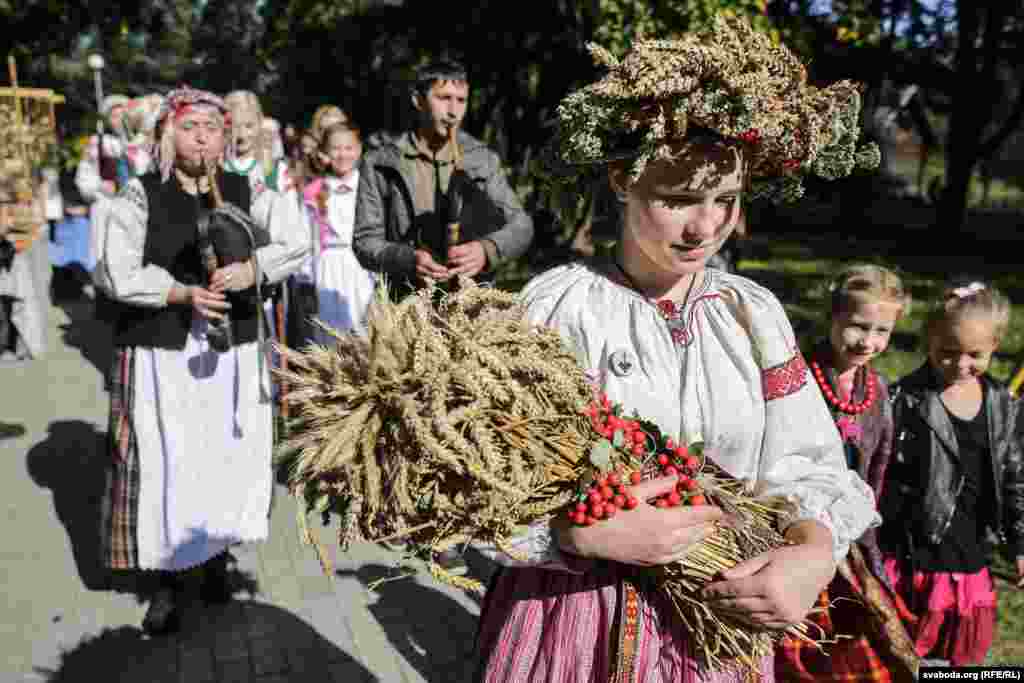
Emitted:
<point x="784" y="379"/>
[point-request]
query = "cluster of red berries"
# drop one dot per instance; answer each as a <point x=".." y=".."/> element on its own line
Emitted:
<point x="752" y="136"/>
<point x="791" y="164"/>
<point x="676" y="461"/>
<point x="606" y="423"/>
<point x="607" y="495"/>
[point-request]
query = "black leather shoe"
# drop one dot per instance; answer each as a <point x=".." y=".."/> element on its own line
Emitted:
<point x="216" y="587"/>
<point x="162" y="617"/>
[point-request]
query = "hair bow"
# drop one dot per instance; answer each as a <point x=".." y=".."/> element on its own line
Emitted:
<point x="968" y="290"/>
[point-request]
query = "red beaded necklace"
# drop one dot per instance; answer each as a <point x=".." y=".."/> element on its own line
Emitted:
<point x="835" y="401"/>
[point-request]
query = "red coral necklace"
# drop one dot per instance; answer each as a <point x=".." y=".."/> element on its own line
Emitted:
<point x="847" y="407"/>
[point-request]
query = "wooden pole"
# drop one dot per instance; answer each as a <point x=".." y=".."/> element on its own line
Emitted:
<point x="12" y="72"/>
<point x="279" y="320"/>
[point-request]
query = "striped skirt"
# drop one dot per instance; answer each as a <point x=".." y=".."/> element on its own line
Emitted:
<point x="546" y="626"/>
<point x="119" y="532"/>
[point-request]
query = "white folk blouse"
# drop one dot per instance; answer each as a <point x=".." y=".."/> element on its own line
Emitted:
<point x="725" y="370"/>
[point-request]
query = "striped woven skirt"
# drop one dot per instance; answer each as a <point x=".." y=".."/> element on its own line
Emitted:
<point x="119" y="532"/>
<point x="546" y="626"/>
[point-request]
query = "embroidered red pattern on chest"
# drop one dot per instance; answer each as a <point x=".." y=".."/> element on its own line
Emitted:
<point x="784" y="379"/>
<point x="680" y="328"/>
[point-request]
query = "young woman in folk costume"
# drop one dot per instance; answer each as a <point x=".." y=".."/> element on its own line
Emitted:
<point x="139" y="131"/>
<point x="103" y="168"/>
<point x="190" y="427"/>
<point x="252" y="155"/>
<point x="956" y="481"/>
<point x="707" y="355"/>
<point x="344" y="288"/>
<point x="859" y="609"/>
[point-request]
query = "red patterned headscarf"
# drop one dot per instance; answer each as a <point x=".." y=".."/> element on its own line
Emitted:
<point x="176" y="104"/>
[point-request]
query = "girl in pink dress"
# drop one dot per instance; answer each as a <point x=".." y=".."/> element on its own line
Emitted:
<point x="955" y="480"/>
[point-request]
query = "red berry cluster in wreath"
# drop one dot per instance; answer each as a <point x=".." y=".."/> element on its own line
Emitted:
<point x="751" y="136"/>
<point x="642" y="445"/>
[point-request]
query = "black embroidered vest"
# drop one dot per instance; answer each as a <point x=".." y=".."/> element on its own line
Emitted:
<point x="171" y="243"/>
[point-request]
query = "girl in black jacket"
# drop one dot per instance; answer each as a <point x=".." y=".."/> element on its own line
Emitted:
<point x="955" y="479"/>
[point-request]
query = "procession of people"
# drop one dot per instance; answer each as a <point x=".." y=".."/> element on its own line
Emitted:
<point x="203" y="239"/>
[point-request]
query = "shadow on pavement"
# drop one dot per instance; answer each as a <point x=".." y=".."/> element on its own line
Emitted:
<point x="71" y="463"/>
<point x="242" y="641"/>
<point x="434" y="633"/>
<point x="90" y="336"/>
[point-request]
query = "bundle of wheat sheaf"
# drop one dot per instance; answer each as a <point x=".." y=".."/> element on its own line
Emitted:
<point x="455" y="421"/>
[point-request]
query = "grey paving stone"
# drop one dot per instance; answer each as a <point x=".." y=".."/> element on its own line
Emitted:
<point x="267" y="656"/>
<point x="349" y="671"/>
<point x="196" y="666"/>
<point x="234" y="671"/>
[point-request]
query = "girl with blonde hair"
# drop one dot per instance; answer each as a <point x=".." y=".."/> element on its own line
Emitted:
<point x="956" y="478"/>
<point x="858" y="610"/>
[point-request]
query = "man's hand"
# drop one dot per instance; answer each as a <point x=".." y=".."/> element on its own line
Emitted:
<point x="234" y="277"/>
<point x="1020" y="571"/>
<point x="427" y="267"/>
<point x="467" y="259"/>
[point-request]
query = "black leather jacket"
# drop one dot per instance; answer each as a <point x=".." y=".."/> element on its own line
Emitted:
<point x="924" y="479"/>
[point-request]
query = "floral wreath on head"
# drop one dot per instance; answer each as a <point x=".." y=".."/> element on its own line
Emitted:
<point x="729" y="81"/>
<point x="176" y="103"/>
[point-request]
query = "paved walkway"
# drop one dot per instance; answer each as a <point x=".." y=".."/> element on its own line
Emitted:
<point x="64" y="622"/>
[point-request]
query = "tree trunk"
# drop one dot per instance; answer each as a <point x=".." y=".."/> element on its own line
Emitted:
<point x="953" y="206"/>
<point x="965" y="124"/>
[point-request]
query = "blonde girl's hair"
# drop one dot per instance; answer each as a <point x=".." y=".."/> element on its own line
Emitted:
<point x="318" y="163"/>
<point x="865" y="283"/>
<point x="316" y="128"/>
<point x="245" y="100"/>
<point x="970" y="299"/>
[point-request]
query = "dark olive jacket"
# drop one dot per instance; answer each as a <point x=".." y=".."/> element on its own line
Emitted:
<point x="924" y="477"/>
<point x="384" y="239"/>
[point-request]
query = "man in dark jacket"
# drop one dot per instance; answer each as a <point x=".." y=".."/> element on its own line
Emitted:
<point x="402" y="206"/>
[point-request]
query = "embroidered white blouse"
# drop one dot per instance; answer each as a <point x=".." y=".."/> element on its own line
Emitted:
<point x="726" y="370"/>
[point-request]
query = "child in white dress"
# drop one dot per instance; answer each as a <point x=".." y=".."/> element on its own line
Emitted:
<point x="344" y="287"/>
